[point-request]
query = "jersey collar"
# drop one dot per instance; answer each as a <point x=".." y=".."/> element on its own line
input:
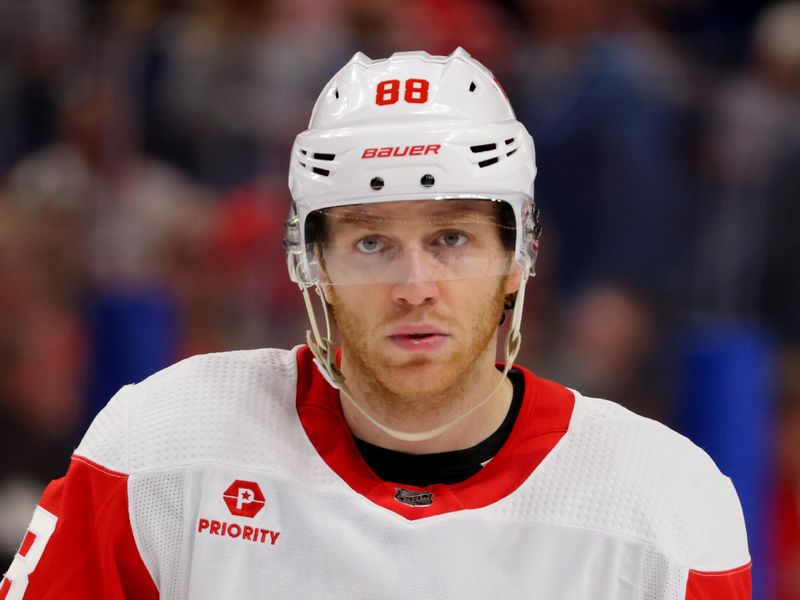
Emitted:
<point x="542" y="422"/>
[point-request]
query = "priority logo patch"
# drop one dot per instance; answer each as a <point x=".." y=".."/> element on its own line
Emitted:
<point x="244" y="498"/>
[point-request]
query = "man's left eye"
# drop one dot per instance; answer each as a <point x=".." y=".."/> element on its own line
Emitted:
<point x="451" y="239"/>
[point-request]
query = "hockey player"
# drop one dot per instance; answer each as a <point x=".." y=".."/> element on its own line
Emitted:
<point x="402" y="462"/>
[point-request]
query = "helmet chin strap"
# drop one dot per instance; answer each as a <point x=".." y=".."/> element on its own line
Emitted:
<point x="325" y="359"/>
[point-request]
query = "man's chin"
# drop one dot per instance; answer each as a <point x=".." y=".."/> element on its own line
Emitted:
<point x="418" y="375"/>
<point x="415" y="362"/>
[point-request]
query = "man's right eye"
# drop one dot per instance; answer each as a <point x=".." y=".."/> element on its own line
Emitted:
<point x="370" y="245"/>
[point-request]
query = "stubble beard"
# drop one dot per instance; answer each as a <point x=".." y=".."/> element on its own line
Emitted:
<point x="388" y="390"/>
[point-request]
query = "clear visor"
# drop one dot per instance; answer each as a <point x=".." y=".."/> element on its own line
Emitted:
<point x="412" y="241"/>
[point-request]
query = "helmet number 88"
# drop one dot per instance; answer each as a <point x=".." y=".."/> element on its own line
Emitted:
<point x="415" y="91"/>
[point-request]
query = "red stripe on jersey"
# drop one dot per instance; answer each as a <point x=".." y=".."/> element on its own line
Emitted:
<point x="542" y="421"/>
<point x="734" y="584"/>
<point x="92" y="552"/>
<point x="27" y="542"/>
<point x="5" y="585"/>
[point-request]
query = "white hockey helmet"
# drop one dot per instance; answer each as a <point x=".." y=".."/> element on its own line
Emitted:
<point x="410" y="127"/>
<point x="407" y="128"/>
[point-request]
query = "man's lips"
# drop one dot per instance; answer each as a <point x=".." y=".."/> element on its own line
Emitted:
<point x="418" y="337"/>
<point x="417" y="329"/>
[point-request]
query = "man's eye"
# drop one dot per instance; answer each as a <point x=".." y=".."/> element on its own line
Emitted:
<point x="451" y="239"/>
<point x="370" y="245"/>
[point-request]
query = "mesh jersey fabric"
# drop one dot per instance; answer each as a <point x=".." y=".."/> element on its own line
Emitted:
<point x="229" y="498"/>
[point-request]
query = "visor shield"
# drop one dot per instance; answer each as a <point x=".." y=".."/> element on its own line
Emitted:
<point x="412" y="241"/>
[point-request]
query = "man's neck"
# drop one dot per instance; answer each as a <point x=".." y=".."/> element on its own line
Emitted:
<point x="472" y="429"/>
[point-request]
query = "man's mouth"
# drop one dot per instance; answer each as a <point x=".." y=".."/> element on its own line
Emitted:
<point x="416" y="329"/>
<point x="416" y="339"/>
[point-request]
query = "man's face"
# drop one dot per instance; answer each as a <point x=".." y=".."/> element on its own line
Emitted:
<point x="425" y="307"/>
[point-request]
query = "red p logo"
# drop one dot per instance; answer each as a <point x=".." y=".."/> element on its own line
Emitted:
<point x="244" y="498"/>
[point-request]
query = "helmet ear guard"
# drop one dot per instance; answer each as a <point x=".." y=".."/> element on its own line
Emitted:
<point x="409" y="127"/>
<point x="303" y="269"/>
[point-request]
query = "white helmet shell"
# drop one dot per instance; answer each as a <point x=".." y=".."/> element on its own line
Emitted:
<point x="410" y="127"/>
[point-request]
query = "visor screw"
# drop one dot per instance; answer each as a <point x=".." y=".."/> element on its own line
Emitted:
<point x="376" y="183"/>
<point x="427" y="180"/>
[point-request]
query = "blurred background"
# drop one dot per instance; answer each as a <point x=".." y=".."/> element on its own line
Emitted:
<point x="144" y="149"/>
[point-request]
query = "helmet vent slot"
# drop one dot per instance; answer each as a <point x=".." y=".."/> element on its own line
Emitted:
<point x="509" y="141"/>
<point x="319" y="171"/>
<point x="487" y="162"/>
<point x="472" y="86"/>
<point x="304" y="152"/>
<point x="512" y="152"/>
<point x="336" y="93"/>
<point x="323" y="156"/>
<point x="483" y="147"/>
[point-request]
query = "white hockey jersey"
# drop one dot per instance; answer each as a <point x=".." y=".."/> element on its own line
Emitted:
<point x="235" y="476"/>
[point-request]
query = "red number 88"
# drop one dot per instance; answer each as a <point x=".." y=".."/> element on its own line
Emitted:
<point x="415" y="91"/>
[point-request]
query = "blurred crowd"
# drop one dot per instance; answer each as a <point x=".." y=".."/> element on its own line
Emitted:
<point x="143" y="163"/>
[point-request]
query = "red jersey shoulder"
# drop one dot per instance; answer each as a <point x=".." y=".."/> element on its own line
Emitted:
<point x="80" y="543"/>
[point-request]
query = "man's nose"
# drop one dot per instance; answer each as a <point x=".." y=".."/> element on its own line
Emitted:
<point x="416" y="284"/>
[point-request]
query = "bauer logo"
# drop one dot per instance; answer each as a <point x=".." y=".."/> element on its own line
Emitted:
<point x="412" y="498"/>
<point x="400" y="151"/>
<point x="244" y="498"/>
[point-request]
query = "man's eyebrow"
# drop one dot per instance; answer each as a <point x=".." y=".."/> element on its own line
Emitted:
<point x="443" y="216"/>
<point x="359" y="220"/>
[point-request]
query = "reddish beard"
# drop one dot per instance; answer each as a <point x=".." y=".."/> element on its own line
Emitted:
<point x="388" y="388"/>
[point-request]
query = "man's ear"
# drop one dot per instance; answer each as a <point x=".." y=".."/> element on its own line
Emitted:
<point x="324" y="285"/>
<point x="326" y="289"/>
<point x="326" y="292"/>
<point x="512" y="282"/>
